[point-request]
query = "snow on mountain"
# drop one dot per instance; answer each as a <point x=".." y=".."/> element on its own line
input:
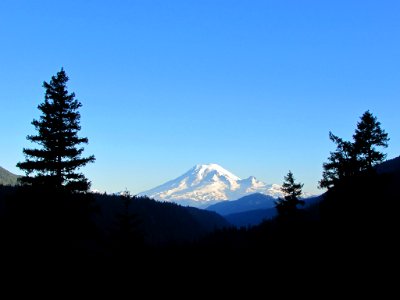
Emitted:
<point x="209" y="183"/>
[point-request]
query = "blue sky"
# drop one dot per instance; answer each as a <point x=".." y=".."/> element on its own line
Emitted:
<point x="254" y="86"/>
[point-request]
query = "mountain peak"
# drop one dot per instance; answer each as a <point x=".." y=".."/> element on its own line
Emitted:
<point x="204" y="169"/>
<point x="205" y="184"/>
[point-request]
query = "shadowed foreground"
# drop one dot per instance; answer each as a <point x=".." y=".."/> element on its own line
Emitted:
<point x="356" y="220"/>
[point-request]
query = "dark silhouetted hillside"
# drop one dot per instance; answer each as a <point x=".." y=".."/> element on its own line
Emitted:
<point x="389" y="166"/>
<point x="160" y="222"/>
<point x="251" y="217"/>
<point x="391" y="170"/>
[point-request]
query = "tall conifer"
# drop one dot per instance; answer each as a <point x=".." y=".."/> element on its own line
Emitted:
<point x="55" y="163"/>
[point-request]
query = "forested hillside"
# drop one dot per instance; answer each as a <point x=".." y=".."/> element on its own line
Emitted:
<point x="7" y="178"/>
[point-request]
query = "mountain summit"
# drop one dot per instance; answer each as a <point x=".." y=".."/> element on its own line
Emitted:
<point x="206" y="184"/>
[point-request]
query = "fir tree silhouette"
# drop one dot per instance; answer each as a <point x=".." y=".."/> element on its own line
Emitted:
<point x="352" y="158"/>
<point x="55" y="163"/>
<point x="367" y="137"/>
<point x="289" y="204"/>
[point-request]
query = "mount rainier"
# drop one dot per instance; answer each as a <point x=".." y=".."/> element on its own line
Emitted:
<point x="207" y="184"/>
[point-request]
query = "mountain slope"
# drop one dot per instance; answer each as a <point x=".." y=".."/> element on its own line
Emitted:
<point x="251" y="217"/>
<point x="207" y="184"/>
<point x="8" y="178"/>
<point x="391" y="166"/>
<point x="246" y="203"/>
<point x="391" y="170"/>
<point x="159" y="223"/>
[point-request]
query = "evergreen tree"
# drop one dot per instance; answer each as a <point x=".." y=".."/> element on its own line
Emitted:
<point x="292" y="191"/>
<point x="352" y="158"/>
<point x="341" y="163"/>
<point x="367" y="137"/>
<point x="56" y="161"/>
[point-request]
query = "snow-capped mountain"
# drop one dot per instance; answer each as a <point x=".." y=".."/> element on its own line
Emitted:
<point x="207" y="184"/>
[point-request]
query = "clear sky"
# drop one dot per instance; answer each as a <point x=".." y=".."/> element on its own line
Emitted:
<point x="254" y="86"/>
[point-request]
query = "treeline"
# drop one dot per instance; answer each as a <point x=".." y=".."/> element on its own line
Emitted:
<point x="87" y="225"/>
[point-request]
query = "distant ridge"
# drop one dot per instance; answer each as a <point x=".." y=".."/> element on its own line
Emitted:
<point x="8" y="178"/>
<point x="251" y="215"/>
<point x="246" y="203"/>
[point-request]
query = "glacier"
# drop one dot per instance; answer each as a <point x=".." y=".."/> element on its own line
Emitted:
<point x="206" y="184"/>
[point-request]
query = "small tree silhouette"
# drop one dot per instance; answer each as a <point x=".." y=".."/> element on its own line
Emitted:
<point x="127" y="238"/>
<point x="292" y="191"/>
